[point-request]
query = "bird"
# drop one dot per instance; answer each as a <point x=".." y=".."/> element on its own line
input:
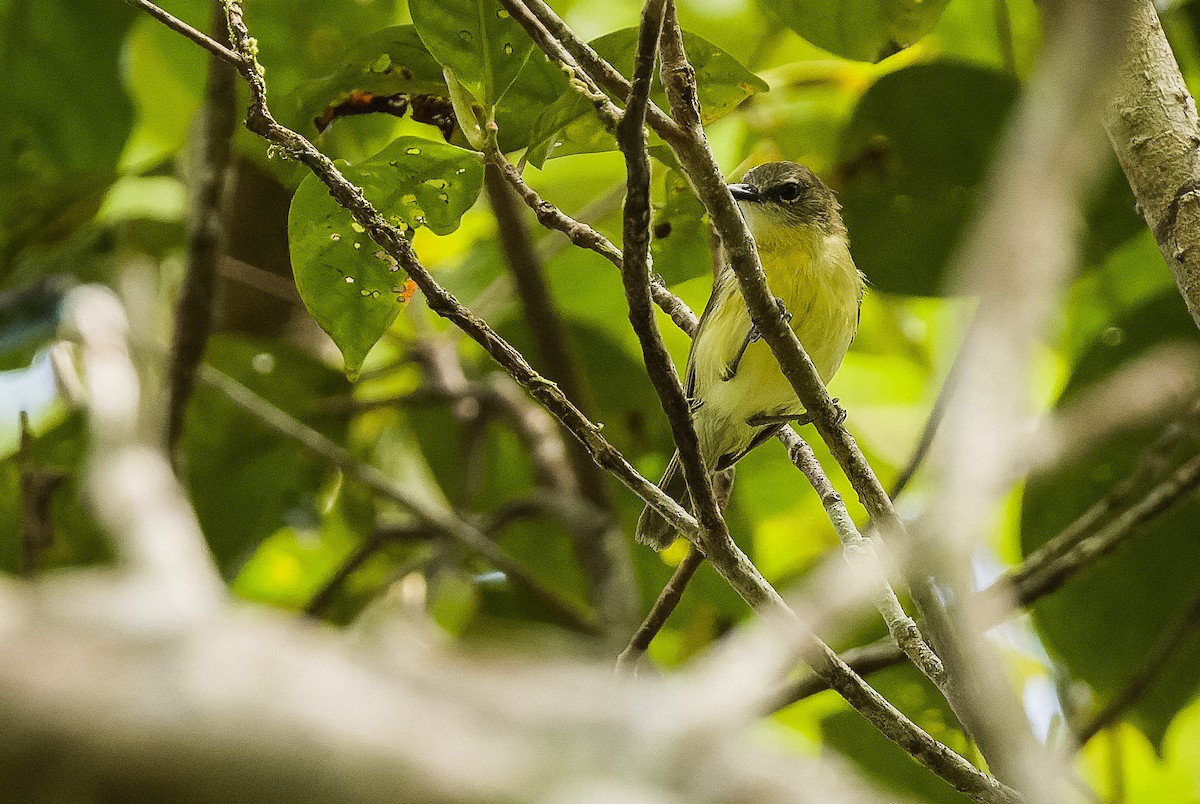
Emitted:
<point x="738" y="395"/>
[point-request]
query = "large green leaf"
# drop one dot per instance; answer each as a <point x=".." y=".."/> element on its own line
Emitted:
<point x="867" y="30"/>
<point x="477" y="39"/>
<point x="911" y="162"/>
<point x="571" y="126"/>
<point x="66" y="116"/>
<point x="349" y="284"/>
<point x="245" y="481"/>
<point x="1102" y="624"/>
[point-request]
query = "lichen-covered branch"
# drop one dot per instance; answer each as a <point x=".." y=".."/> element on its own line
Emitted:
<point x="1154" y="130"/>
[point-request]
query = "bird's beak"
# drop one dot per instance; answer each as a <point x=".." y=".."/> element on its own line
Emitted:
<point x="744" y="192"/>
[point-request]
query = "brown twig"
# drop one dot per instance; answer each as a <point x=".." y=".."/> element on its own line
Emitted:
<point x="861" y="553"/>
<point x="1074" y="549"/>
<point x="428" y="513"/>
<point x="667" y="600"/>
<point x="586" y="237"/>
<point x="194" y="309"/>
<point x="559" y="37"/>
<point x="327" y="593"/>
<point x="179" y="26"/>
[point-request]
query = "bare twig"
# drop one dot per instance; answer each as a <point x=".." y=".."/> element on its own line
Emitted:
<point x="933" y="422"/>
<point x="363" y="553"/>
<point x="586" y="237"/>
<point x="432" y="516"/>
<point x="667" y="600"/>
<point x="179" y="26"/>
<point x="1148" y="492"/>
<point x="206" y="233"/>
<point x="581" y="80"/>
<point x="861" y="553"/>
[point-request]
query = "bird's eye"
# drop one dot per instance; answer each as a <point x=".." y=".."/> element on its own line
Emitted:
<point x="789" y="191"/>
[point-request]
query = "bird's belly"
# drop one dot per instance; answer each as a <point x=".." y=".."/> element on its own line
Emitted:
<point x="824" y="323"/>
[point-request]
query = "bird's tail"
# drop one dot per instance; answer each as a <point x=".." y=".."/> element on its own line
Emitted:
<point x="657" y="532"/>
<point x="652" y="529"/>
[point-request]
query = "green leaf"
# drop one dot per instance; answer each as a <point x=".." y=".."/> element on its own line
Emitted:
<point x="680" y="244"/>
<point x="1126" y="599"/>
<point x="389" y="62"/>
<point x="539" y="85"/>
<point x="477" y="39"/>
<point x="866" y="30"/>
<point x="66" y="116"/>
<point x="245" y="481"/>
<point x="911" y="162"/>
<point x="349" y="284"/>
<point x="570" y="125"/>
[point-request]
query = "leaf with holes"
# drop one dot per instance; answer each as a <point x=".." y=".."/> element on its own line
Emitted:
<point x="393" y="65"/>
<point x="477" y="40"/>
<point x="352" y="287"/>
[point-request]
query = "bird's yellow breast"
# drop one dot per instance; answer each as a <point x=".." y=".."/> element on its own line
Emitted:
<point x="816" y="278"/>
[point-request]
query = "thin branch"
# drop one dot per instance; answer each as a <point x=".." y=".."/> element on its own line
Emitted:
<point x="327" y="593"/>
<point x="194" y="311"/>
<point x="936" y="414"/>
<point x="552" y="45"/>
<point x="1042" y="578"/>
<point x="587" y="237"/>
<point x="861" y="553"/>
<point x="1074" y="549"/>
<point x="179" y="26"/>
<point x="432" y="516"/>
<point x="667" y="600"/>
<point x="1168" y="644"/>
<point x="563" y="39"/>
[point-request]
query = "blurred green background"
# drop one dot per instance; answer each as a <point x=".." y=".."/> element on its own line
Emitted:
<point x="899" y="114"/>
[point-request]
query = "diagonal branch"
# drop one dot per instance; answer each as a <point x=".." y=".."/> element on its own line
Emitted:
<point x="435" y="518"/>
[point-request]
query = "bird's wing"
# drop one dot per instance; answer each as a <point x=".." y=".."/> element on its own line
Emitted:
<point x="720" y="287"/>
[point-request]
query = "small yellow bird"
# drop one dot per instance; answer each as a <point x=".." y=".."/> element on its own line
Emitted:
<point x="739" y="395"/>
